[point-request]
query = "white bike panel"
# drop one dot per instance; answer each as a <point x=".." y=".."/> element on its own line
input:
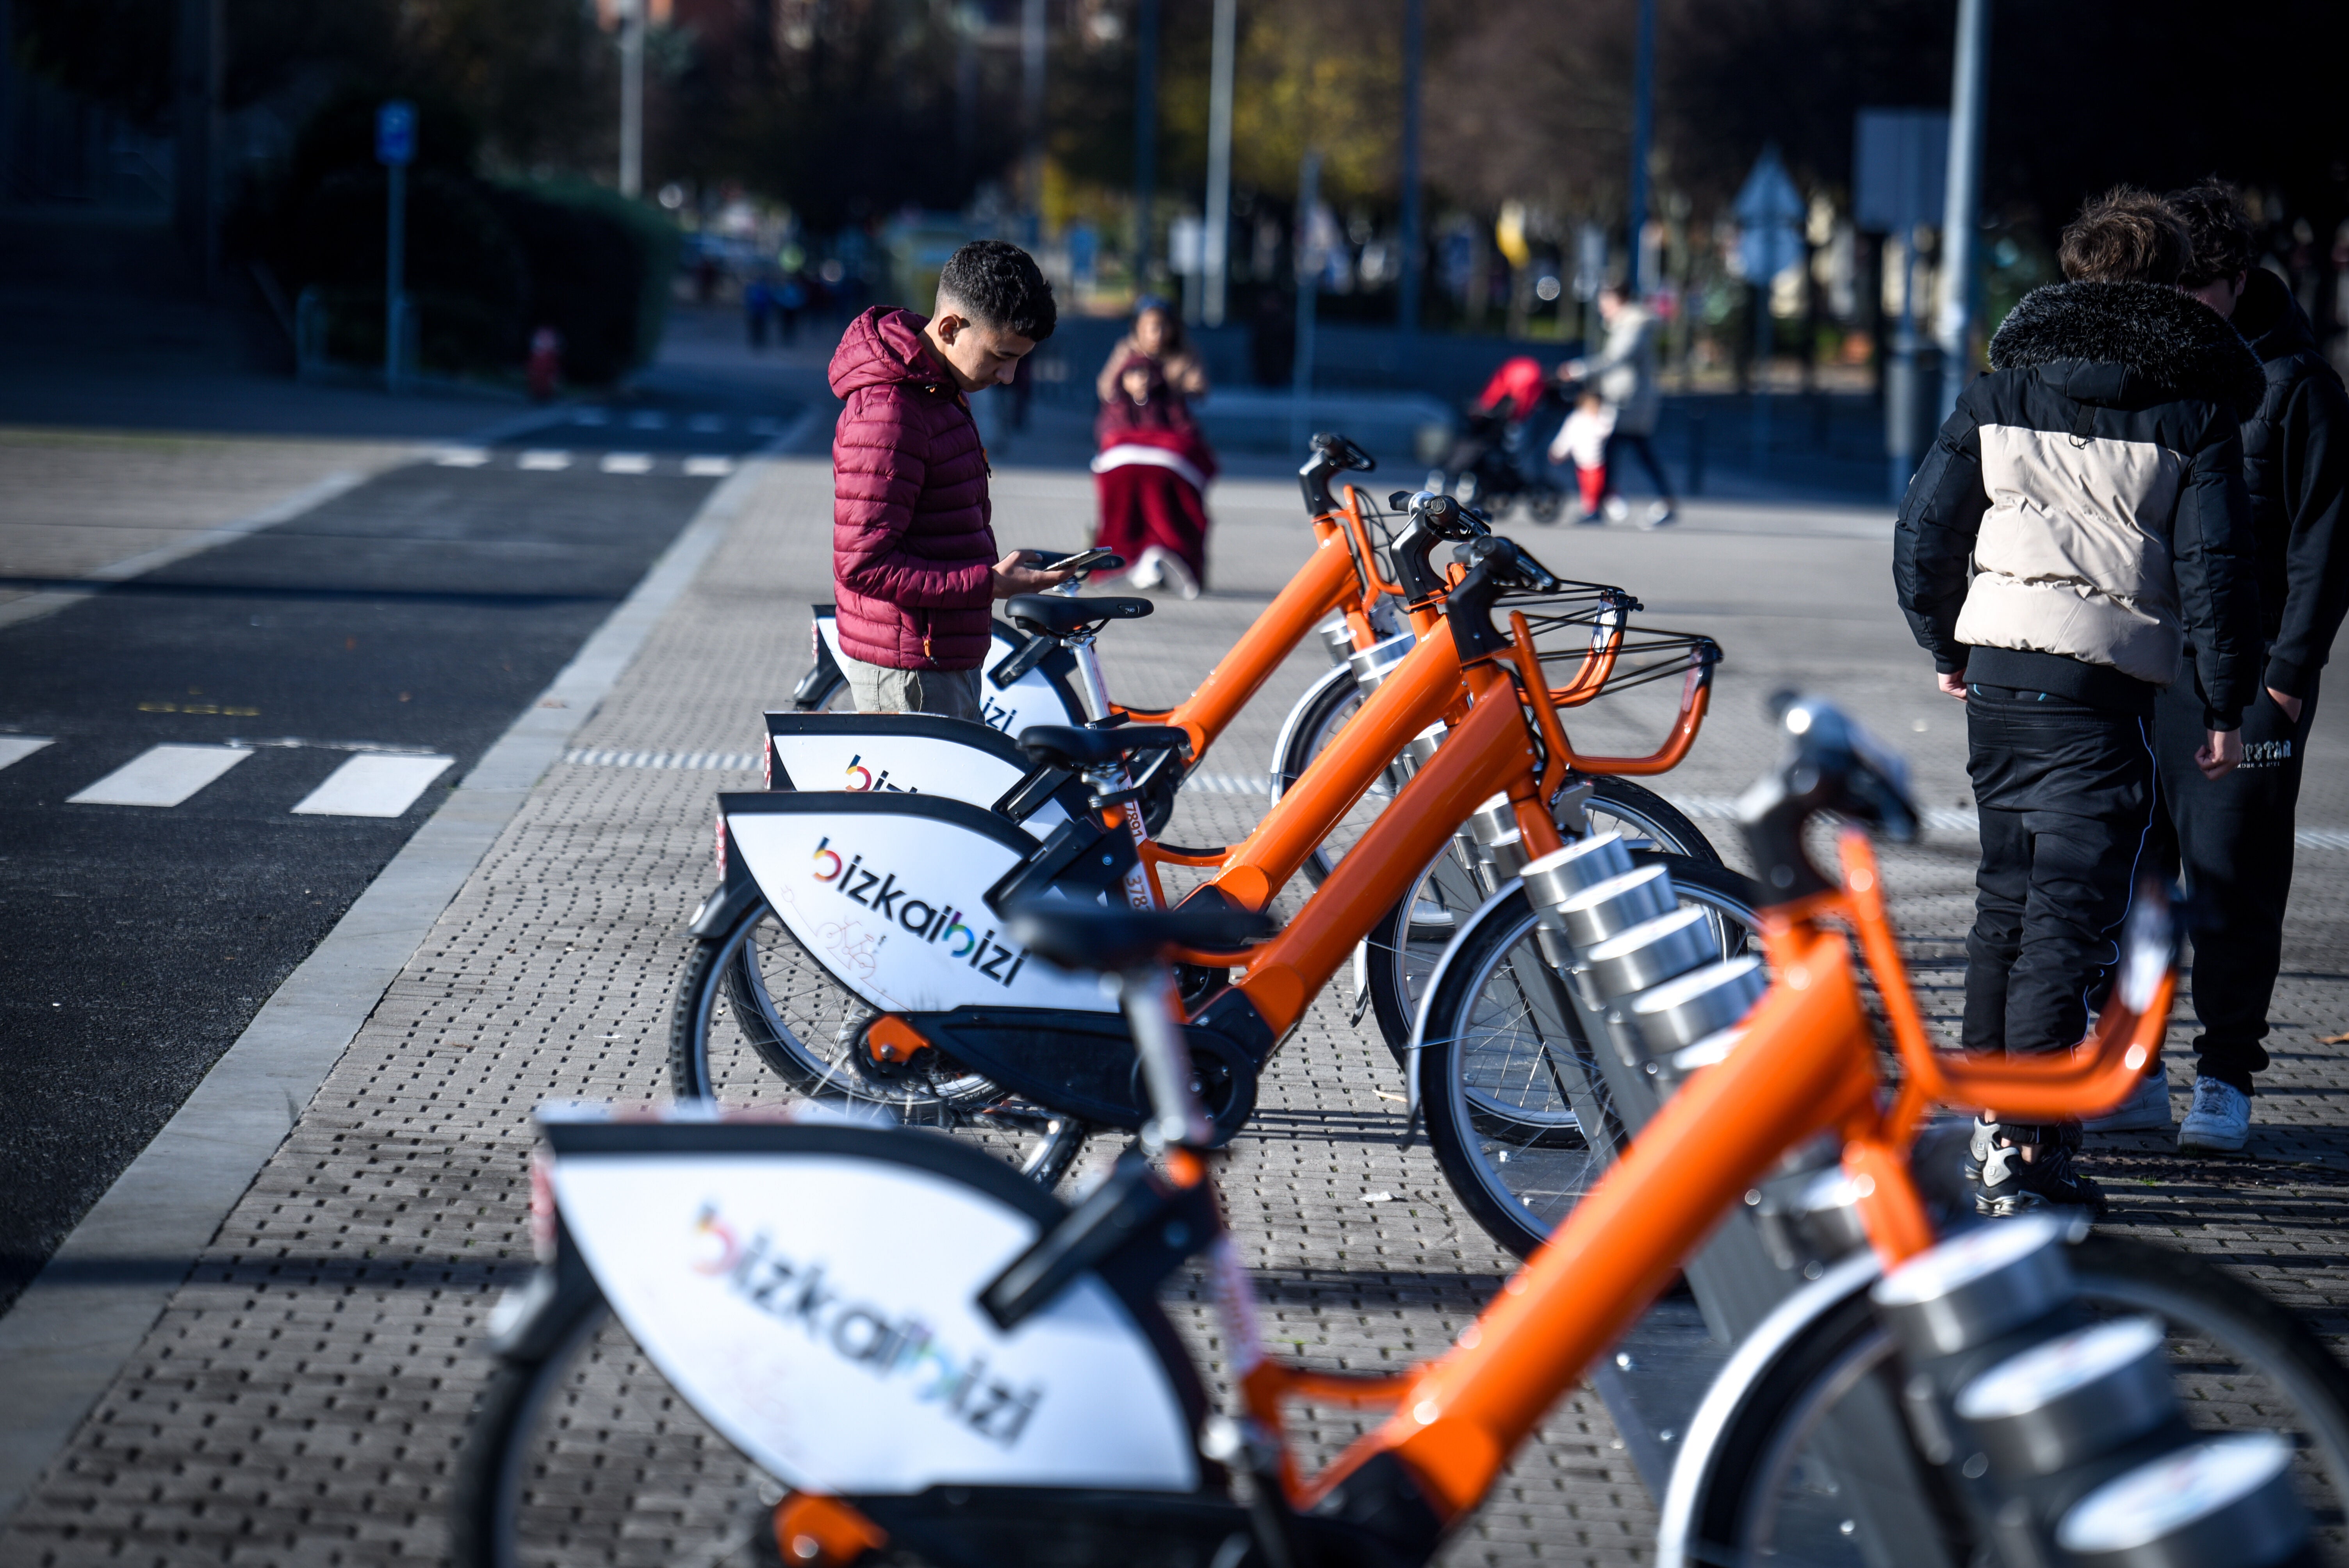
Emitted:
<point x="895" y="909"/>
<point x="821" y="1311"/>
<point x="911" y="764"/>
<point x="1031" y="699"/>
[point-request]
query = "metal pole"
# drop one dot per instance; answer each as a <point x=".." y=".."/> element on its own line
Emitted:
<point x="1900" y="389"/>
<point x="1643" y="130"/>
<point x="1145" y="137"/>
<point x="395" y="277"/>
<point x="1414" y="43"/>
<point x="1216" y="237"/>
<point x="1031" y="92"/>
<point x="632" y="97"/>
<point x="1309" y="284"/>
<point x="1961" y="273"/>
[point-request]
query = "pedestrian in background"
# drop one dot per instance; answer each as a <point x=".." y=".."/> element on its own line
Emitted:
<point x="1157" y="335"/>
<point x="1625" y="374"/>
<point x="1150" y="475"/>
<point x="1583" y="439"/>
<point x="2233" y="835"/>
<point x="913" y="563"/>
<point x="2107" y="431"/>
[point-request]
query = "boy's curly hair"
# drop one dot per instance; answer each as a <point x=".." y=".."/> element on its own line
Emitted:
<point x="2220" y="232"/>
<point x="2126" y="236"/>
<point x="999" y="283"/>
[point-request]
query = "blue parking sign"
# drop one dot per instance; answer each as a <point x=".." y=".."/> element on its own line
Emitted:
<point x="395" y="134"/>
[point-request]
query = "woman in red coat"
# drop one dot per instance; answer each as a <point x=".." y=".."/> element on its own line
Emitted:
<point x="1152" y="473"/>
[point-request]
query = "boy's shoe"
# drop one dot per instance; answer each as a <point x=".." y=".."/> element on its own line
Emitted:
<point x="2146" y="1110"/>
<point x="1659" y="515"/>
<point x="1146" y="574"/>
<point x="2005" y="1184"/>
<point x="2219" y="1121"/>
<point x="1173" y="575"/>
<point x="1617" y="509"/>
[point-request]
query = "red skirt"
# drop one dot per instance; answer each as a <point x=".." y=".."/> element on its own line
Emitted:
<point x="1142" y="504"/>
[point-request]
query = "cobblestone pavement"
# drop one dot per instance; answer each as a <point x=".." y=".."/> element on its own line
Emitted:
<point x="303" y="1398"/>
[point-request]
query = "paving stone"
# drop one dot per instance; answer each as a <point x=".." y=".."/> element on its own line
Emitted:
<point x="303" y="1398"/>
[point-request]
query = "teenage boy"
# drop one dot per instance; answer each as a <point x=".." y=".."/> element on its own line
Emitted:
<point x="2234" y="835"/>
<point x="913" y="563"/>
<point x="2080" y="520"/>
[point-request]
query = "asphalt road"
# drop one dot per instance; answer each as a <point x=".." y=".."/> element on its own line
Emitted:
<point x="409" y="619"/>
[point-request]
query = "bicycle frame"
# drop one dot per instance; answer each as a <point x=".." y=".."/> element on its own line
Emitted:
<point x="1807" y="1065"/>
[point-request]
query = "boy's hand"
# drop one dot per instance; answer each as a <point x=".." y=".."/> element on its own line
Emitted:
<point x="1011" y="577"/>
<point x="1952" y="684"/>
<point x="2218" y="755"/>
<point x="2290" y="705"/>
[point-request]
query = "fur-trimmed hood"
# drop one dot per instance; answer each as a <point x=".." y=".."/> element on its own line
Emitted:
<point x="2130" y="344"/>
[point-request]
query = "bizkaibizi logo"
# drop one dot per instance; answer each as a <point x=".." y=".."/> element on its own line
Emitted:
<point x="861" y="779"/>
<point x="892" y="1346"/>
<point x="937" y="924"/>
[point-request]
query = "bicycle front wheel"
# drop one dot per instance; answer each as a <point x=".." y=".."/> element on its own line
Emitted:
<point x="1790" y="1484"/>
<point x="1517" y="1109"/>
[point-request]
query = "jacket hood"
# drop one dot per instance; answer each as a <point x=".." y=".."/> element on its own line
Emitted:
<point x="2270" y="319"/>
<point x="2129" y="344"/>
<point x="882" y="348"/>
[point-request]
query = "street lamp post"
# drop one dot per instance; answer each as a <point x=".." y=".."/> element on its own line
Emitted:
<point x="1961" y="270"/>
<point x="631" y="17"/>
<point x="1643" y="131"/>
<point x="1414" y="41"/>
<point x="1145" y="135"/>
<point x="395" y="149"/>
<point x="1309" y="284"/>
<point x="1216" y="238"/>
<point x="1031" y="93"/>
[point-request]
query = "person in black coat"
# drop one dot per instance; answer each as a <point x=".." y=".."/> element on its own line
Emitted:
<point x="2233" y="836"/>
<point x="2079" y="524"/>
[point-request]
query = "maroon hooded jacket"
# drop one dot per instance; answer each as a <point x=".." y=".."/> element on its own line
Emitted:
<point x="912" y="553"/>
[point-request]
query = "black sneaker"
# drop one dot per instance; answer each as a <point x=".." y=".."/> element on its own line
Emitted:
<point x="2006" y="1184"/>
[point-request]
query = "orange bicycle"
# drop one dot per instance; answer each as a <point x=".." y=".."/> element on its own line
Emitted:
<point x="942" y="1361"/>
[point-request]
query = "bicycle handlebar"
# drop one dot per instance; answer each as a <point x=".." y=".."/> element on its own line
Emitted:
<point x="1832" y="764"/>
<point x="1332" y="454"/>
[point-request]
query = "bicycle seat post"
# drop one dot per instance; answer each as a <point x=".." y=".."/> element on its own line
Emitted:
<point x="1153" y="1012"/>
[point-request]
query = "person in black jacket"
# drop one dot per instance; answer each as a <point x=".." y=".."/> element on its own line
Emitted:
<point x="2234" y="835"/>
<point x="2080" y="519"/>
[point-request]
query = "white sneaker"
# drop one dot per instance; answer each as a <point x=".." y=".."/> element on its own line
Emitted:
<point x="2220" y="1121"/>
<point x="2146" y="1110"/>
<point x="1177" y="576"/>
<point x="1617" y="509"/>
<point x="1659" y="515"/>
<point x="1144" y="573"/>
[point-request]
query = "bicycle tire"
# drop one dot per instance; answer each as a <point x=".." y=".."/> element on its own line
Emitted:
<point x="1399" y="956"/>
<point x="1745" y="1507"/>
<point x="1324" y="716"/>
<point x="1475" y="1123"/>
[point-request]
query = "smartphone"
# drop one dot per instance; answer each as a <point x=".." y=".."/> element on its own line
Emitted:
<point x="1083" y="560"/>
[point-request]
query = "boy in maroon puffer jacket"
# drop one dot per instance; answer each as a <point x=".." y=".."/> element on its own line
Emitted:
<point x="913" y="563"/>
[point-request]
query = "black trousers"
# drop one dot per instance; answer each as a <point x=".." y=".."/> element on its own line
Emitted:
<point x="2231" y="842"/>
<point x="2067" y="797"/>
<point x="1621" y="441"/>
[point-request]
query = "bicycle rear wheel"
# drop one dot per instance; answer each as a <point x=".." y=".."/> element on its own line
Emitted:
<point x="1787" y="1486"/>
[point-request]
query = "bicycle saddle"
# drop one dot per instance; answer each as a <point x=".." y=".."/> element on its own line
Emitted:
<point x="1087" y="936"/>
<point x="1052" y="615"/>
<point x="1076" y="748"/>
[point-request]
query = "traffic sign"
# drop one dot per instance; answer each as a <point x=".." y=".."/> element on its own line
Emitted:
<point x="1769" y="214"/>
<point x="395" y="134"/>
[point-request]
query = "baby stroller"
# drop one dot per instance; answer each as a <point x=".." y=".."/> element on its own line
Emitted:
<point x="1494" y="463"/>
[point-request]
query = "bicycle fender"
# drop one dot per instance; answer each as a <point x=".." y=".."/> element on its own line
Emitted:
<point x="716" y="914"/>
<point x="1342" y="674"/>
<point x="1045" y="694"/>
<point x="1725" y="1401"/>
<point x="910" y="753"/>
<point x="812" y="1291"/>
<point x="1512" y="888"/>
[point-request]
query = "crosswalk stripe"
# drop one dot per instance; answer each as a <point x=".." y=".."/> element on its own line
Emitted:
<point x="463" y="457"/>
<point x="546" y="462"/>
<point x="700" y="761"/>
<point x="627" y="462"/>
<point x="161" y="776"/>
<point x="14" y="749"/>
<point x="708" y="468"/>
<point x="373" y="784"/>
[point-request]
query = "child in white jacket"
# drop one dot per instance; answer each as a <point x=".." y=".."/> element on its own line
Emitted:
<point x="1583" y="437"/>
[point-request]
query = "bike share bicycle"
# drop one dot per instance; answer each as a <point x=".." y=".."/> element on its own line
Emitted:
<point x="944" y="995"/>
<point x="944" y="1362"/>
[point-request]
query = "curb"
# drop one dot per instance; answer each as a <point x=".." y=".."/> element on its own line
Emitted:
<point x="84" y="1316"/>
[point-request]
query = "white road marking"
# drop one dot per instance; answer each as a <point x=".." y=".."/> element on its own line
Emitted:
<point x="14" y="749"/>
<point x="1224" y="784"/>
<point x="461" y="456"/>
<point x="373" y="784"/>
<point x="708" y="468"/>
<point x="627" y="462"/>
<point x="161" y="776"/>
<point x="708" y="761"/>
<point x="648" y="420"/>
<point x="546" y="462"/>
<point x="705" y="424"/>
